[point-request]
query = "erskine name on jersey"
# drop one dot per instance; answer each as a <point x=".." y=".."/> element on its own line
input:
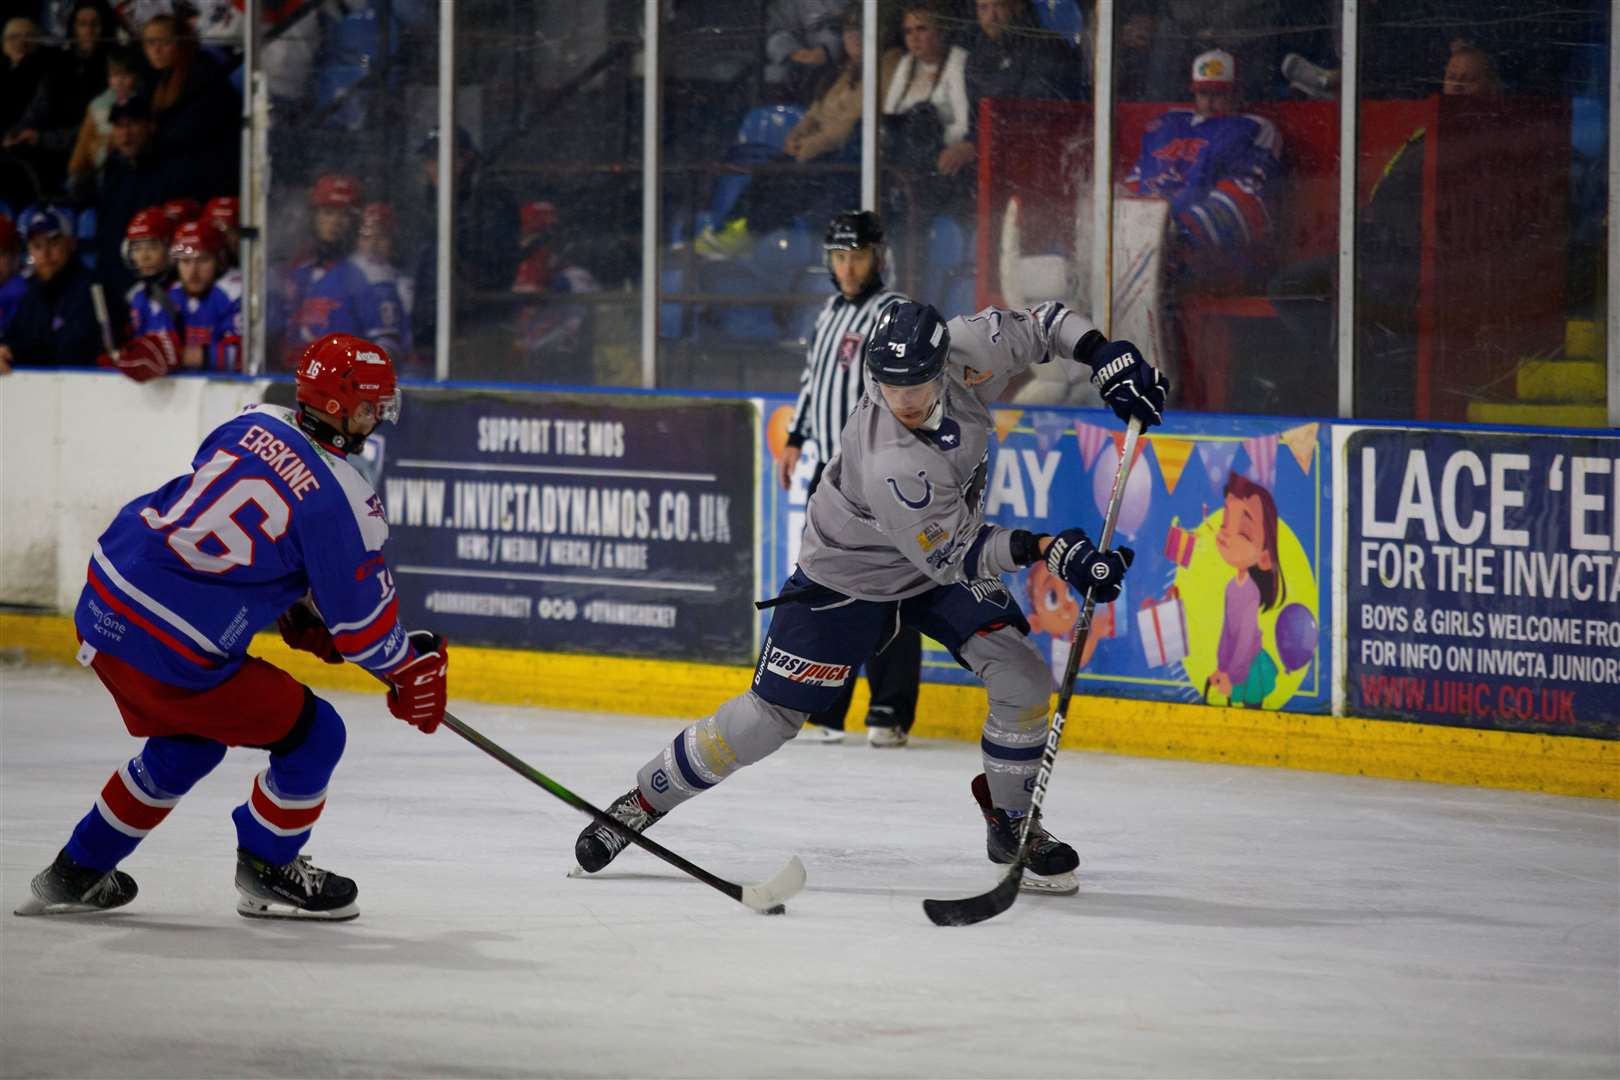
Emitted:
<point x="184" y="576"/>
<point x="900" y="511"/>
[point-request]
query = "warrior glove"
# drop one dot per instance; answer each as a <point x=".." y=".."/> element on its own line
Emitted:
<point x="1093" y="573"/>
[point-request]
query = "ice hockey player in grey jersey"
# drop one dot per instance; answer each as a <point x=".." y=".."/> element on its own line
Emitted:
<point x="895" y="535"/>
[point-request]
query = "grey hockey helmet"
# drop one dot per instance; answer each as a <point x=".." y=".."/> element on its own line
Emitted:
<point x="908" y="346"/>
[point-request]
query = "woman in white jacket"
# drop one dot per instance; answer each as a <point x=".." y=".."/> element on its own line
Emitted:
<point x="933" y="72"/>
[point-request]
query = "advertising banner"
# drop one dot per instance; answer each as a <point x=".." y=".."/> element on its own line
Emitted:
<point x="1229" y="600"/>
<point x="620" y="525"/>
<point x="1483" y="579"/>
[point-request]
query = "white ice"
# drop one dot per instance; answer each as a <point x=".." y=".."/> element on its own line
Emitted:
<point x="1231" y="922"/>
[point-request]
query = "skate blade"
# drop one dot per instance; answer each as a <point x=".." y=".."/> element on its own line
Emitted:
<point x="259" y="909"/>
<point x="35" y="906"/>
<point x="579" y="872"/>
<point x="1065" y="884"/>
<point x="815" y="734"/>
<point x="885" y="742"/>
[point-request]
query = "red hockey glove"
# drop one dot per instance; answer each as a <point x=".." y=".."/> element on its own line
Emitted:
<point x="147" y="357"/>
<point x="302" y="629"/>
<point x="420" y="687"/>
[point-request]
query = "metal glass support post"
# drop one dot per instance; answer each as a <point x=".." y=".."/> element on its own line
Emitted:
<point x="870" y="106"/>
<point x="1102" y="168"/>
<point x="651" y="97"/>
<point x="253" y="193"/>
<point x="446" y="209"/>
<point x="1349" y="151"/>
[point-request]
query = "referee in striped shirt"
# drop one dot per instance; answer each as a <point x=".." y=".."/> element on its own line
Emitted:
<point x="831" y="387"/>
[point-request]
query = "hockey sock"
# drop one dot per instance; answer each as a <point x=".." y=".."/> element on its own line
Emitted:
<point x="137" y="798"/>
<point x="288" y="797"/>
<point x="744" y="730"/>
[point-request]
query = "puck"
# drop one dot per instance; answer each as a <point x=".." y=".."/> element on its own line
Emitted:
<point x="779" y="909"/>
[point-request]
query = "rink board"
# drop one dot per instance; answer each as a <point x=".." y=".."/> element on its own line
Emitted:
<point x="1561" y="765"/>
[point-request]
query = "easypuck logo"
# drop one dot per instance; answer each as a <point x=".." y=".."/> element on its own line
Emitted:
<point x="808" y="672"/>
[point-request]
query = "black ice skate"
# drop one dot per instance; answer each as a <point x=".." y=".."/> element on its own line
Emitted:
<point x="66" y="888"/>
<point x="1051" y="864"/>
<point x="298" y="890"/>
<point x="598" y="845"/>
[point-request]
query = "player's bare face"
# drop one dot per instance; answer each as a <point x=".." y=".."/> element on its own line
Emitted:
<point x="911" y="405"/>
<point x="330" y="224"/>
<point x="853" y="269"/>
<point x="149" y="256"/>
<point x="1223" y="103"/>
<point x="197" y="273"/>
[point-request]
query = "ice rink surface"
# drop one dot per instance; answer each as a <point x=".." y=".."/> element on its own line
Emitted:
<point x="1231" y="921"/>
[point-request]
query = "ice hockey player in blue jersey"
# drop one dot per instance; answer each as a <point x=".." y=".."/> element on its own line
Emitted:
<point x="273" y="525"/>
<point x="1212" y="163"/>
<point x="389" y="303"/>
<point x="146" y="251"/>
<point x="208" y="299"/>
<point x="327" y="293"/>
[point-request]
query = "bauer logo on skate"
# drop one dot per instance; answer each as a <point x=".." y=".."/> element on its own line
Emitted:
<point x="809" y="672"/>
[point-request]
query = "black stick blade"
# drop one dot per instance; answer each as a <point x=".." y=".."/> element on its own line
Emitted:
<point x="976" y="909"/>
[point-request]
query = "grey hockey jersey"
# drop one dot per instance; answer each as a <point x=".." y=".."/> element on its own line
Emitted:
<point x="900" y="511"/>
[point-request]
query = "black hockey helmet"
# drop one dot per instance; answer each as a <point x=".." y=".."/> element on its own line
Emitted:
<point x="908" y="346"/>
<point x="853" y="229"/>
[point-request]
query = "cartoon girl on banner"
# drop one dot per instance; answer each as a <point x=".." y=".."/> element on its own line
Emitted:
<point x="1247" y="541"/>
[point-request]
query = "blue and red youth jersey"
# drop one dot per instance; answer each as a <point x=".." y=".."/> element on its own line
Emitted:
<point x="329" y="298"/>
<point x="184" y="577"/>
<point x="1213" y="170"/>
<point x="213" y="322"/>
<point x="151" y="311"/>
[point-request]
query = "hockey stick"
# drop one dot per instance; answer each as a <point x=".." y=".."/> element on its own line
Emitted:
<point x="98" y="300"/>
<point x="767" y="897"/>
<point x="973" y="909"/>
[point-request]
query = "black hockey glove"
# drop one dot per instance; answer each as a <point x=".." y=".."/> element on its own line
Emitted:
<point x="1074" y="558"/>
<point x="1128" y="383"/>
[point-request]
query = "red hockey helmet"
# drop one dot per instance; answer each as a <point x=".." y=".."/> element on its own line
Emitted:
<point x="378" y="218"/>
<point x="224" y="212"/>
<point x="536" y="217"/>
<point x="338" y="372"/>
<point x="182" y="210"/>
<point x="335" y="191"/>
<point x="149" y="224"/>
<point x="197" y="238"/>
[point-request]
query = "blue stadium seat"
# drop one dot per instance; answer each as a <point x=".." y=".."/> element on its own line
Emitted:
<point x="960" y="296"/>
<point x="768" y="125"/>
<point x="735" y="322"/>
<point x="673" y="318"/>
<point x="781" y="254"/>
<point x="949" y="248"/>
<point x="86" y="231"/>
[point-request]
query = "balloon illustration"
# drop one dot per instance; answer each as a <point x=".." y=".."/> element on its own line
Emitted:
<point x="1296" y="636"/>
<point x="1138" y="491"/>
<point x="776" y="431"/>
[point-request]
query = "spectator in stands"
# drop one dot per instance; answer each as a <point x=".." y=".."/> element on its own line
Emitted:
<point x="834" y="115"/>
<point x="24" y="65"/>
<point x="486" y="232"/>
<point x="198" y="111"/>
<point x="1213" y="165"/>
<point x="325" y="292"/>
<point x="1470" y="72"/>
<point x="802" y="40"/>
<point x="124" y="82"/>
<point x="135" y="175"/>
<point x="55" y="322"/>
<point x="12" y="282"/>
<point x="45" y="133"/>
<point x="926" y="117"/>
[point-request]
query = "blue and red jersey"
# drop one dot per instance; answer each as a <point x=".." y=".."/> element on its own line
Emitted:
<point x="329" y="298"/>
<point x="213" y="322"/>
<point x="11" y="294"/>
<point x="185" y="576"/>
<point x="1214" y="171"/>
<point x="151" y="308"/>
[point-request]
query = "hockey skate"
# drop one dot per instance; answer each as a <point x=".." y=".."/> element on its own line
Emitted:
<point x="882" y="732"/>
<point x="1051" y="864"/>
<point x="819" y="733"/>
<point x="599" y="845"/>
<point x="66" y="888"/>
<point x="298" y="890"/>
